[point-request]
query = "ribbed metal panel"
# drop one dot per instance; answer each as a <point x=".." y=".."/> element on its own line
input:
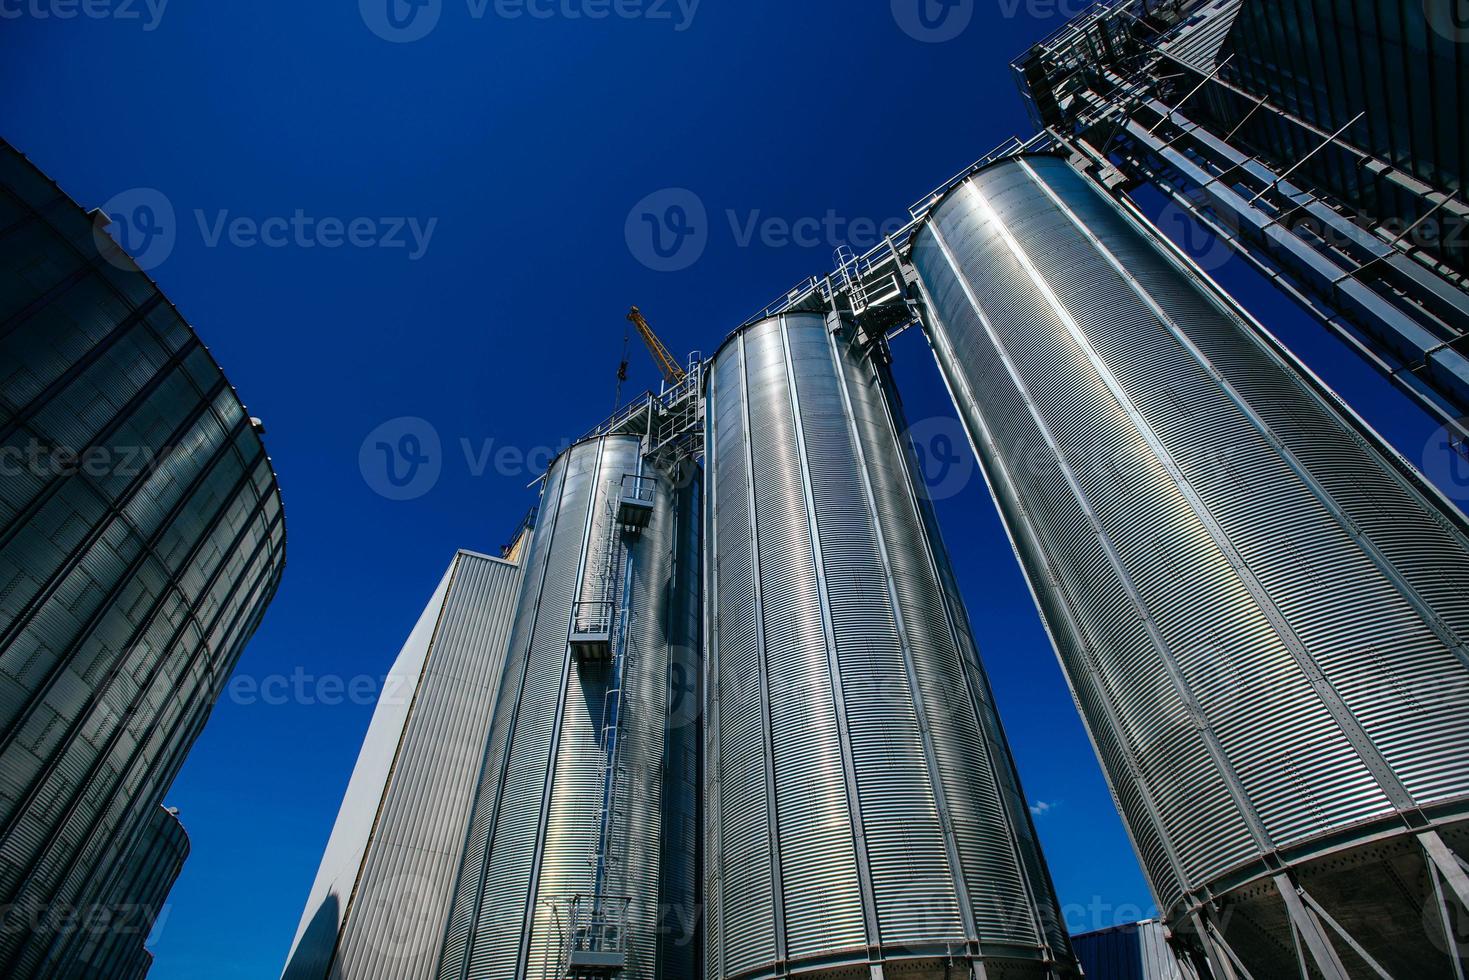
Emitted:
<point x="380" y="904"/>
<point x="534" y="839"/>
<point x="1248" y="592"/>
<point x="861" y="799"/>
<point x="110" y="945"/>
<point x="1138" y="951"/>
<point x="141" y="537"/>
<point x="1325" y="61"/>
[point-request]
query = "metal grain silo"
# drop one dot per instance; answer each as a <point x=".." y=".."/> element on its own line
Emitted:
<point x="111" y="945"/>
<point x="1261" y="608"/>
<point x="576" y="842"/>
<point x="142" y="536"/>
<point x="862" y="810"/>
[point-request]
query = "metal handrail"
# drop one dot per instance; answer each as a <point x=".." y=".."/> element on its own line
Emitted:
<point x="595" y="622"/>
<point x="643" y="488"/>
<point x="889" y="246"/>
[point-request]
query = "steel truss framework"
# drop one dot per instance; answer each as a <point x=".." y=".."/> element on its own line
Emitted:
<point x="1116" y="87"/>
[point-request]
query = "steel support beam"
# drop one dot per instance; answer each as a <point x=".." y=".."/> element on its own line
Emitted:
<point x="1419" y="348"/>
<point x="1309" y="930"/>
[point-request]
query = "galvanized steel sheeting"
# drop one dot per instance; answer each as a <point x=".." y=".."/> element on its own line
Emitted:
<point x="1138" y="951"/>
<point x="142" y="536"/>
<point x="379" y="907"/>
<point x="859" y="793"/>
<point x="1256" y="603"/>
<point x="534" y="835"/>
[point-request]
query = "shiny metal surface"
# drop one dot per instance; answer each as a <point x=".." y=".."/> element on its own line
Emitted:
<point x="535" y="835"/>
<point x="861" y="804"/>
<point x="380" y="902"/>
<point x="1261" y="609"/>
<point x="141" y="538"/>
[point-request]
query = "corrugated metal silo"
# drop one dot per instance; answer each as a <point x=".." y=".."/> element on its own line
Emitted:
<point x="1262" y="610"/>
<point x="110" y="946"/>
<point x="142" y="536"/>
<point x="579" y="835"/>
<point x="862" y="810"/>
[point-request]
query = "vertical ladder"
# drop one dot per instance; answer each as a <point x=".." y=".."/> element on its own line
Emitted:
<point x="850" y="276"/>
<point x="596" y="938"/>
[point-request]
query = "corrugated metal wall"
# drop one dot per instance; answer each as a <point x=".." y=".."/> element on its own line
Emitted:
<point x="380" y="903"/>
<point x="141" y="538"/>
<point x="1137" y="951"/>
<point x="859" y="794"/>
<point x="534" y="838"/>
<point x="1399" y="65"/>
<point x="1262" y="611"/>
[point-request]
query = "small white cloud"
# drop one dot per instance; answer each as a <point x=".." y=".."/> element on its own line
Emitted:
<point x="1040" y="808"/>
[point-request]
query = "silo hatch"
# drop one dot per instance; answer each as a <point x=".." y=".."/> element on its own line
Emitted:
<point x="635" y="504"/>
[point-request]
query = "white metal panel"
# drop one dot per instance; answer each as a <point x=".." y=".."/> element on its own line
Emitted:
<point x="379" y="906"/>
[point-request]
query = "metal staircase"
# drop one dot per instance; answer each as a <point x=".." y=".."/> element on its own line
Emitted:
<point x="1128" y="87"/>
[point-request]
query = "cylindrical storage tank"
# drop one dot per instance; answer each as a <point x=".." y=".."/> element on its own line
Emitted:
<point x="862" y="809"/>
<point x="142" y="537"/>
<point x="1262" y="610"/>
<point x="569" y="864"/>
<point x="135" y="903"/>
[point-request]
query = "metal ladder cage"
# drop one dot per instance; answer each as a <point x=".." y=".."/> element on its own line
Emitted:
<point x="594" y="937"/>
<point x="593" y="621"/>
<point x="597" y="932"/>
<point x="612" y="772"/>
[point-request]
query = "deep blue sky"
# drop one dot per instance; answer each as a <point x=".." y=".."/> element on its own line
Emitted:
<point x="529" y="142"/>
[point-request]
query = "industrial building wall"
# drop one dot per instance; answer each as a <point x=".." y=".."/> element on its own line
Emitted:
<point x="1262" y="610"/>
<point x="378" y="908"/>
<point x="1137" y="951"/>
<point x="534" y="842"/>
<point x="141" y="538"/>
<point x="1398" y="65"/>
<point x="860" y="797"/>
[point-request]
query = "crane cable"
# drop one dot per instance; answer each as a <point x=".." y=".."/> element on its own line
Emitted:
<point x="622" y="368"/>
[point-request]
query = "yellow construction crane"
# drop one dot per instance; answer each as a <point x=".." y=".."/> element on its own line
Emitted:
<point x="672" y="372"/>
